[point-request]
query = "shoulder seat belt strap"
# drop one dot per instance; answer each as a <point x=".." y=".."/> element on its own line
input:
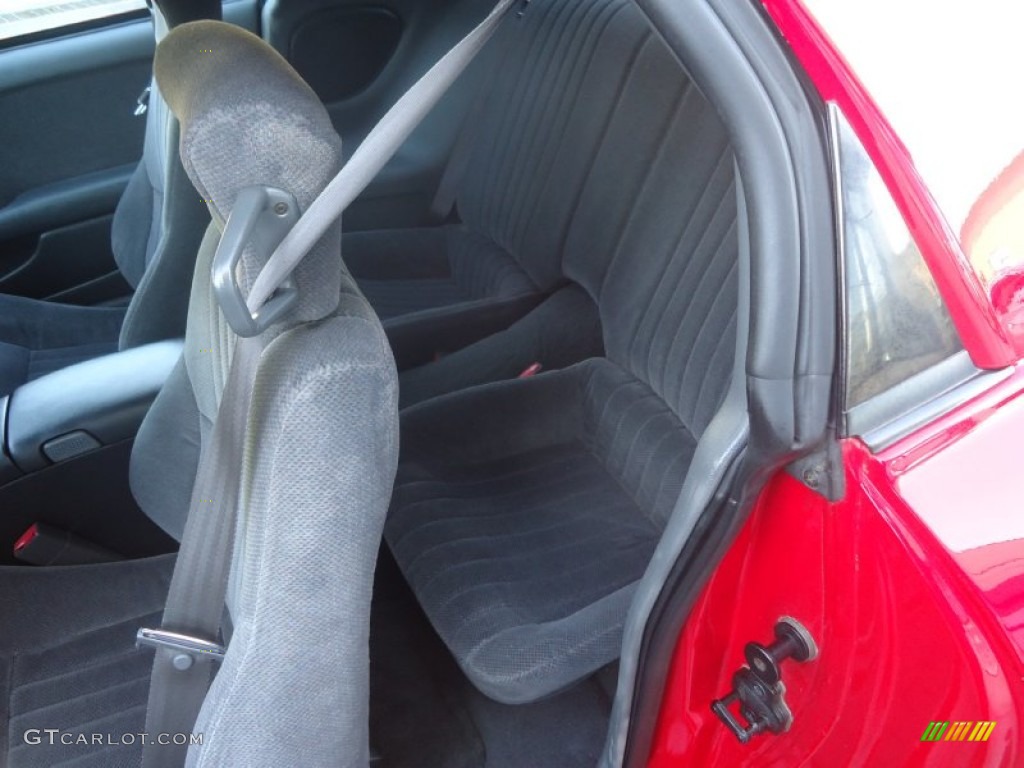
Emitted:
<point x="461" y="155"/>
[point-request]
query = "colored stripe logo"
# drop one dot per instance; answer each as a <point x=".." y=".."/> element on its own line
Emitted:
<point x="959" y="730"/>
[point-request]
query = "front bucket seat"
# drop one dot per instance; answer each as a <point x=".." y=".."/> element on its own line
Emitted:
<point x="316" y="478"/>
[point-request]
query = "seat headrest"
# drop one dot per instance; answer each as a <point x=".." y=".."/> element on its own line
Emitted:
<point x="248" y="119"/>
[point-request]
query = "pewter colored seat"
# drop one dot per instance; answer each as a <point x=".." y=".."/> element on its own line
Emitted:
<point x="317" y="477"/>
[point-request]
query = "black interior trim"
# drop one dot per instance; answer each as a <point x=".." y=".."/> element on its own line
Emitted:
<point x="107" y="397"/>
<point x="88" y="496"/>
<point x="64" y="202"/>
<point x="340" y="52"/>
<point x="63" y="263"/>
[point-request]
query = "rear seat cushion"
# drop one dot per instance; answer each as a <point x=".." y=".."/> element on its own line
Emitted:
<point x="525" y="512"/>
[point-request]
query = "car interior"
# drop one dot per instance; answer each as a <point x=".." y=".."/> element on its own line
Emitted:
<point x="528" y="389"/>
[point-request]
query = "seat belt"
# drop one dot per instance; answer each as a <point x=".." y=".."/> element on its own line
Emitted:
<point x="187" y="643"/>
<point x="377" y="148"/>
<point x="461" y="154"/>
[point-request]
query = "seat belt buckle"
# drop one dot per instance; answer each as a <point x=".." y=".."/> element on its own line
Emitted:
<point x="187" y="648"/>
<point x="531" y="370"/>
<point x="44" y="544"/>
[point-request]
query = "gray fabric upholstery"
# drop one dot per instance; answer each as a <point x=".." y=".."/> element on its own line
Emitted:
<point x="132" y="238"/>
<point x="138" y="221"/>
<point x="523" y="543"/>
<point x="68" y="659"/>
<point x="220" y="100"/>
<point x="560" y="70"/>
<point x="438" y="289"/>
<point x="548" y="94"/>
<point x="325" y="449"/>
<point x="525" y="511"/>
<point x="163" y="468"/>
<point x="569" y="83"/>
<point x="563" y="330"/>
<point x="37" y="337"/>
<point x="440" y="266"/>
<point x="323" y="428"/>
<point x="319" y="464"/>
<point x="157" y="228"/>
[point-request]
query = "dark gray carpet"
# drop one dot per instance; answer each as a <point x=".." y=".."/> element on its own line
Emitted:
<point x="417" y="717"/>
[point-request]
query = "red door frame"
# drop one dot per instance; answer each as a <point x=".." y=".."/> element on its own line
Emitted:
<point x="913" y="584"/>
<point x="913" y="587"/>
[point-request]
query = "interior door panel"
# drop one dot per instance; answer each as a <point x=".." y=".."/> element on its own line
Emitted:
<point x="70" y="140"/>
<point x="360" y="57"/>
<point x="55" y="240"/>
<point x="67" y="106"/>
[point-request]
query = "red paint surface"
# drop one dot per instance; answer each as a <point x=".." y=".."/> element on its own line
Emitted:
<point x="913" y="586"/>
<point x="981" y="329"/>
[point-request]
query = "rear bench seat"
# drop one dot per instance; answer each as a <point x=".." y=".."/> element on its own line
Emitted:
<point x="526" y="510"/>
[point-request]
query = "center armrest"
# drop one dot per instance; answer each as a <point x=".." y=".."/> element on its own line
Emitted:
<point x="85" y="406"/>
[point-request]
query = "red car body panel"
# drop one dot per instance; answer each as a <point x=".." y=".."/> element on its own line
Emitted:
<point x="913" y="587"/>
<point x="913" y="583"/>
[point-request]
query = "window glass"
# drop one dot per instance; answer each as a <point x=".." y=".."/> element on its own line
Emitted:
<point x="896" y="324"/>
<point x="26" y="17"/>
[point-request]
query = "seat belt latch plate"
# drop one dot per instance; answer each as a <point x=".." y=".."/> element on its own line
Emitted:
<point x="186" y="647"/>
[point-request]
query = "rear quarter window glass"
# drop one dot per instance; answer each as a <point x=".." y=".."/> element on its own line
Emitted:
<point x="896" y="322"/>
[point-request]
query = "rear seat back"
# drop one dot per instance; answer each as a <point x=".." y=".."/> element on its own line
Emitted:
<point x="546" y="86"/>
<point x="554" y="75"/>
<point x="654" y="237"/>
<point x="599" y="161"/>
